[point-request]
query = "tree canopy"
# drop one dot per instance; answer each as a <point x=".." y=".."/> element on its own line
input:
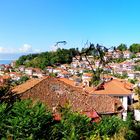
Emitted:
<point x="47" y="58"/>
<point x="135" y="48"/>
<point x="122" y="47"/>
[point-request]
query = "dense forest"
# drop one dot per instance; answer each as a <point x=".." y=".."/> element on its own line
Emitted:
<point x="62" y="56"/>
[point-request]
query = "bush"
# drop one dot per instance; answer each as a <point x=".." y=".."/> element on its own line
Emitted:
<point x="110" y="125"/>
<point x="28" y="120"/>
<point x="73" y="126"/>
<point x="24" y="120"/>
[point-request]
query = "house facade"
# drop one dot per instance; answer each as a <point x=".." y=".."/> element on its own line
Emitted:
<point x="119" y="89"/>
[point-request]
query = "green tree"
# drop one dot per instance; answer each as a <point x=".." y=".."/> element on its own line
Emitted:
<point x="73" y="126"/>
<point x="96" y="77"/>
<point x="98" y="53"/>
<point x="23" y="79"/>
<point x="44" y="59"/>
<point x="6" y="95"/>
<point x="25" y="120"/>
<point x="110" y="125"/>
<point x="122" y="47"/>
<point x="137" y="92"/>
<point x="137" y="68"/>
<point x="135" y="48"/>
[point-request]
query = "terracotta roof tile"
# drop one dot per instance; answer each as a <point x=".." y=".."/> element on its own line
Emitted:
<point x="115" y="87"/>
<point x="55" y="92"/>
<point x="87" y="74"/>
<point x="27" y="85"/>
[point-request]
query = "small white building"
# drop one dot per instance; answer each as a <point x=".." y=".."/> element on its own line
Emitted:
<point x="86" y="78"/>
<point x="127" y="54"/>
<point x="15" y="76"/>
<point x="119" y="89"/>
<point x="29" y="71"/>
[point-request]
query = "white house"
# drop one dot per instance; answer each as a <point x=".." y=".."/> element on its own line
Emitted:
<point x="38" y="73"/>
<point x="15" y="76"/>
<point x="118" y="89"/>
<point x="86" y="78"/>
<point x="64" y="74"/>
<point x="127" y="54"/>
<point x="21" y="68"/>
<point x="29" y="71"/>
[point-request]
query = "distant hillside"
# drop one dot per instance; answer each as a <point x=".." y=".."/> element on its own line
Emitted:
<point x="44" y="59"/>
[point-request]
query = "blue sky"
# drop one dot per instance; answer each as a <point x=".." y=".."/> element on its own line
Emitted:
<point x="35" y="25"/>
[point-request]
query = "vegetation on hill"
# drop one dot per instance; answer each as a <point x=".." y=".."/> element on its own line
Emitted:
<point x="61" y="56"/>
<point x="135" y="48"/>
<point x="122" y="47"/>
<point x="137" y="68"/>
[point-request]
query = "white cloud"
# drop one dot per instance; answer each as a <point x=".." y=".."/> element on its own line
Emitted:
<point x="54" y="48"/>
<point x="37" y="50"/>
<point x="2" y="50"/>
<point x="26" y="48"/>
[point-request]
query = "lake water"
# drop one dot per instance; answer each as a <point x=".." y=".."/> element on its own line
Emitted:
<point x="5" y="61"/>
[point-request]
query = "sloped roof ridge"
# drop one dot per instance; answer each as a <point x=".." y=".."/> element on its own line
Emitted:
<point x="27" y="87"/>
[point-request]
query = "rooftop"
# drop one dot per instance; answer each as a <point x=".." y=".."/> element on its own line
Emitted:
<point x="115" y="87"/>
<point x="58" y="92"/>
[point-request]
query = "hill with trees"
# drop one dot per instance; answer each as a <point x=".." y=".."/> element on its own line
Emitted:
<point x="135" y="48"/>
<point x="122" y="47"/>
<point x="61" y="56"/>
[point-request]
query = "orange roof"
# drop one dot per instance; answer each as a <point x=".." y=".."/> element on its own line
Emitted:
<point x="65" y="72"/>
<point x="106" y="76"/>
<point x="27" y="85"/>
<point x="66" y="65"/>
<point x="49" y="67"/>
<point x="15" y="73"/>
<point x="58" y="69"/>
<point x="126" y="52"/>
<point x="29" y="68"/>
<point x="115" y="87"/>
<point x="5" y="77"/>
<point x="87" y="74"/>
<point x="67" y="81"/>
<point x="37" y="69"/>
<point x="89" y="90"/>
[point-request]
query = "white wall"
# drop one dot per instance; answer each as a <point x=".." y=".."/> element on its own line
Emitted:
<point x="125" y="105"/>
<point x="125" y="102"/>
<point x="137" y="115"/>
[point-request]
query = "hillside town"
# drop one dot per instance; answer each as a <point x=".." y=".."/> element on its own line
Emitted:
<point x="55" y="86"/>
<point x="69" y="70"/>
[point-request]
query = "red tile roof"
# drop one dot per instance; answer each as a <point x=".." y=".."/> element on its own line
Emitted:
<point x="88" y="74"/>
<point x="55" y="92"/>
<point x="115" y="87"/>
